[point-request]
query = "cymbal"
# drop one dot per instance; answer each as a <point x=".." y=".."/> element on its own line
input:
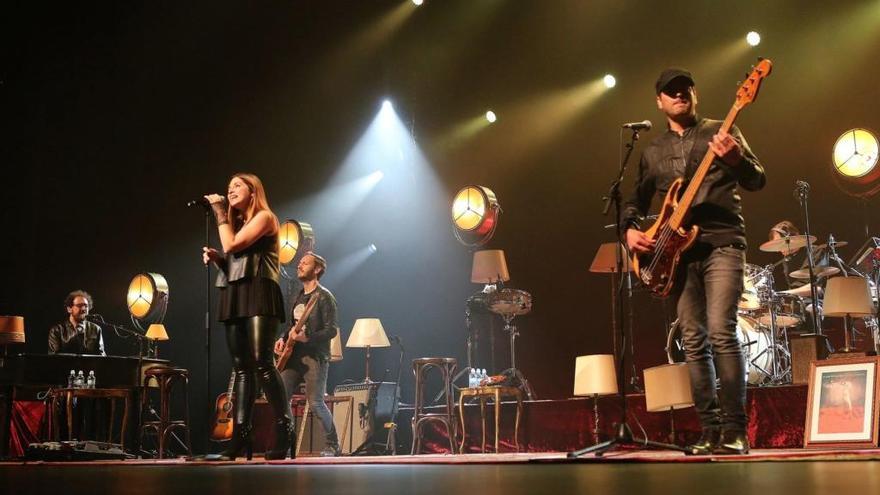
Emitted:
<point x="837" y="244"/>
<point x="819" y="271"/>
<point x="803" y="291"/>
<point x="790" y="244"/>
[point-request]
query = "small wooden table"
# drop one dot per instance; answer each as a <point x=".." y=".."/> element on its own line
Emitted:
<point x="92" y="393"/>
<point x="484" y="393"/>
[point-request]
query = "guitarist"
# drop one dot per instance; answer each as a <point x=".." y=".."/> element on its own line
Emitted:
<point x="311" y="353"/>
<point x="711" y="276"/>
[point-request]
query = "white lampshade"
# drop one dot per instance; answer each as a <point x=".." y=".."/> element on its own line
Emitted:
<point x="336" y="348"/>
<point x="595" y="375"/>
<point x="847" y="296"/>
<point x="668" y="387"/>
<point x="489" y="267"/>
<point x="368" y="332"/>
<point x="156" y="331"/>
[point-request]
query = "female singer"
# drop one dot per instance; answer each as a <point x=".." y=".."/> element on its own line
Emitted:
<point x="251" y="307"/>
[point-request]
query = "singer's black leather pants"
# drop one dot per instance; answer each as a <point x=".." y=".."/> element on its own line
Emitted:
<point x="251" y="341"/>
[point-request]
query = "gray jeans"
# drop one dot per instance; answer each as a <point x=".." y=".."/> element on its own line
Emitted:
<point x="707" y="306"/>
<point x="315" y="378"/>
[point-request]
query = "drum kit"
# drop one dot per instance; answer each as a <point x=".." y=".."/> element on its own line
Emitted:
<point x="766" y="316"/>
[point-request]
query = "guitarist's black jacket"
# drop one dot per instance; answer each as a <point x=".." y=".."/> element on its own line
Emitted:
<point x="320" y="327"/>
<point x="717" y="207"/>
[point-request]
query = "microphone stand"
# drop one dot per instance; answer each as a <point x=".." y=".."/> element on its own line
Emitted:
<point x="140" y="365"/>
<point x="802" y="191"/>
<point x="624" y="435"/>
<point x="391" y="439"/>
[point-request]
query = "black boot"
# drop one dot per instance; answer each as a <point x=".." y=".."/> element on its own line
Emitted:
<point x="242" y="440"/>
<point x="733" y="442"/>
<point x="707" y="443"/>
<point x="285" y="440"/>
<point x="332" y="448"/>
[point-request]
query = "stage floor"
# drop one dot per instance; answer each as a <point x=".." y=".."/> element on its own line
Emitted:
<point x="632" y="472"/>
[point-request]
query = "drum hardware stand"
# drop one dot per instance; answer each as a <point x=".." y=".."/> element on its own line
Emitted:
<point x="624" y="435"/>
<point x="514" y="333"/>
<point x="778" y="374"/>
<point x="802" y="191"/>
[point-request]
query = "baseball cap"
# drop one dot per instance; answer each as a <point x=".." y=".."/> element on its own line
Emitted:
<point x="668" y="75"/>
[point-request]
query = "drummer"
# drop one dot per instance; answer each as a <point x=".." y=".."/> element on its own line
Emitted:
<point x="796" y="286"/>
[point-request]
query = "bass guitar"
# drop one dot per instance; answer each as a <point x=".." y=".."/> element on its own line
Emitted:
<point x="281" y="360"/>
<point x="670" y="232"/>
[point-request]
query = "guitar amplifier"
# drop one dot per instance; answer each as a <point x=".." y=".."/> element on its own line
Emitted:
<point x="373" y="404"/>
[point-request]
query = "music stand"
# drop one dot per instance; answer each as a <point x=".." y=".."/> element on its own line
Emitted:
<point x="605" y="261"/>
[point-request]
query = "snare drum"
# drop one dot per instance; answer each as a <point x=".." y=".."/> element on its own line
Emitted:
<point x="789" y="311"/>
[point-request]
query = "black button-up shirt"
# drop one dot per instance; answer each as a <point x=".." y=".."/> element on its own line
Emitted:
<point x="717" y="207"/>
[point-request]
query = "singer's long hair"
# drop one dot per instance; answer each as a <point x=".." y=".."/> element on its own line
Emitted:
<point x="259" y="202"/>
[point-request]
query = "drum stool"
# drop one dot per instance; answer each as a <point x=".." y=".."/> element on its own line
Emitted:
<point x="447" y="417"/>
<point x="165" y="378"/>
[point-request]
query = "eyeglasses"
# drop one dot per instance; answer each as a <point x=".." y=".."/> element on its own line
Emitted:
<point x="81" y="305"/>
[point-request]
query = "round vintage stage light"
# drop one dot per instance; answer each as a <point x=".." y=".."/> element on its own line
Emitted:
<point x="854" y="159"/>
<point x="475" y="212"/>
<point x="147" y="298"/>
<point x="296" y="238"/>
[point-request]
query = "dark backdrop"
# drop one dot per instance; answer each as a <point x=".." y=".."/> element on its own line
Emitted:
<point x="117" y="113"/>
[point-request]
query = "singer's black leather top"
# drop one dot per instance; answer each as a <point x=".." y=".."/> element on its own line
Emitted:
<point x="249" y="281"/>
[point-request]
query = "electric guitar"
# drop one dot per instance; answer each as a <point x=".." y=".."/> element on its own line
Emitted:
<point x="657" y="269"/>
<point x="222" y="429"/>
<point x="281" y="360"/>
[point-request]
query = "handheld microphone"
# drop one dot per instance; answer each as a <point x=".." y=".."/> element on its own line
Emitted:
<point x="645" y="124"/>
<point x="198" y="202"/>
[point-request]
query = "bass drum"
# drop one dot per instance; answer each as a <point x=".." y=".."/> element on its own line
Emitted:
<point x="755" y="344"/>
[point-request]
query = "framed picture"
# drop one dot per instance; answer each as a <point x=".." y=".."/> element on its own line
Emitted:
<point x="842" y="403"/>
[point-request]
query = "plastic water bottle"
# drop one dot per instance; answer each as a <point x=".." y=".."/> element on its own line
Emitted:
<point x="90" y="383"/>
<point x="80" y="380"/>
<point x="482" y="376"/>
<point x="71" y="379"/>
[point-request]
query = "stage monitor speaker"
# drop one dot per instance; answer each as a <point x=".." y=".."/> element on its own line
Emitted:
<point x="804" y="349"/>
<point x="373" y="404"/>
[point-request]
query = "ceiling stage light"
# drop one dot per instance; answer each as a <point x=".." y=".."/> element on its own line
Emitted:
<point x="854" y="161"/>
<point x="297" y="239"/>
<point x="475" y="212"/>
<point x="753" y="38"/>
<point x="418" y="2"/>
<point x="610" y="81"/>
<point x="491" y="117"/>
<point x="147" y="299"/>
<point x="386" y="105"/>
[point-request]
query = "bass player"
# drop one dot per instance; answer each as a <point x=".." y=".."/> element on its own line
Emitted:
<point x="710" y="279"/>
